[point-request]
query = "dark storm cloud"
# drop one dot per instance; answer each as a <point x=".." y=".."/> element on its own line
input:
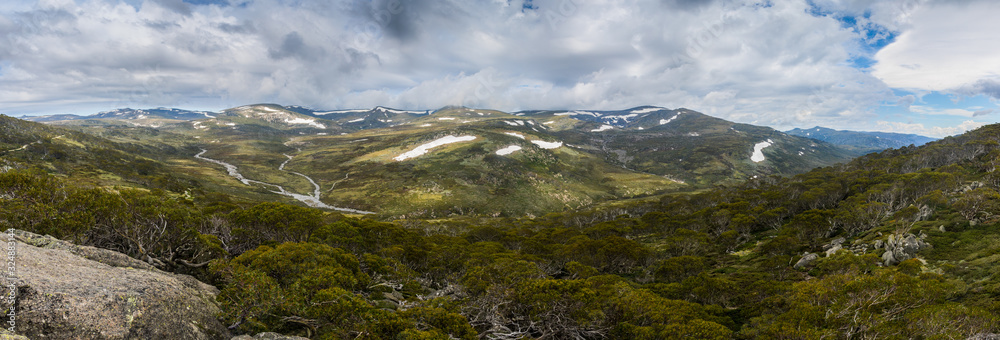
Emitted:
<point x="982" y="112"/>
<point x="293" y="46"/>
<point x="178" y="6"/>
<point x="687" y="4"/>
<point x="357" y="60"/>
<point x="988" y="87"/>
<point x="246" y="27"/>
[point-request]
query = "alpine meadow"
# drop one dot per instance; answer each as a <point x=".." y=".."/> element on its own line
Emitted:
<point x="521" y="169"/>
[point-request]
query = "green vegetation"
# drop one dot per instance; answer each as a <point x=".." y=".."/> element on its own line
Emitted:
<point x="716" y="264"/>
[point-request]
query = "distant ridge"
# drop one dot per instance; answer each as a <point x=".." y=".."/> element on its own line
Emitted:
<point x="862" y="141"/>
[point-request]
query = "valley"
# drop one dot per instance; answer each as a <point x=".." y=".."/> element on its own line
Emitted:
<point x="500" y="170"/>
<point x="462" y="161"/>
<point x="469" y="223"/>
<point x="312" y="201"/>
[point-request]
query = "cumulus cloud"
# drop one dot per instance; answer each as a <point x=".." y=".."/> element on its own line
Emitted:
<point x="946" y="48"/>
<point x="927" y="110"/>
<point x="979" y="113"/>
<point x="933" y="131"/>
<point x="772" y="63"/>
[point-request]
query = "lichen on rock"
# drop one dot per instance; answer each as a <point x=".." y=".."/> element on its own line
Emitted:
<point x="65" y="291"/>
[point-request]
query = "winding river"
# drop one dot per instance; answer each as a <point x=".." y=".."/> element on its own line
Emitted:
<point x="310" y="200"/>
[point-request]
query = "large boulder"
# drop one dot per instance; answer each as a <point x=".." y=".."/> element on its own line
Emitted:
<point x="833" y="250"/>
<point x="902" y="248"/>
<point x="65" y="291"/>
<point x="806" y="260"/>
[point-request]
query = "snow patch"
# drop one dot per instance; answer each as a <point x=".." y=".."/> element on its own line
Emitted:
<point x="758" y="151"/>
<point x="508" y="150"/>
<point x="356" y="120"/>
<point x="616" y="118"/>
<point x="311" y="122"/>
<point x="383" y="109"/>
<point x="515" y="134"/>
<point x="423" y="149"/>
<point x="667" y="121"/>
<point x="549" y="122"/>
<point x="426" y="125"/>
<point x="339" y="111"/>
<point x="547" y="145"/>
<point x="603" y="128"/>
<point x="446" y="118"/>
<point x="647" y="110"/>
<point x="574" y="113"/>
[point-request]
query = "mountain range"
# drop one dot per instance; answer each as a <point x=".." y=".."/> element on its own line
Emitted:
<point x="622" y="252"/>
<point x="456" y="160"/>
<point x="862" y="141"/>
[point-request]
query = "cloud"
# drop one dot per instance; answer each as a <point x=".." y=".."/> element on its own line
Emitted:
<point x="933" y="131"/>
<point x="989" y="87"/>
<point x="946" y="48"/>
<point x="906" y="101"/>
<point x="769" y="63"/>
<point x="927" y="110"/>
<point x="980" y="113"/>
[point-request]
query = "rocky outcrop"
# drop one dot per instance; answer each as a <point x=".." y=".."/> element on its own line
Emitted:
<point x="806" y="260"/>
<point x="5" y="335"/>
<point x="902" y="248"/>
<point x="833" y="250"/>
<point x="65" y="291"/>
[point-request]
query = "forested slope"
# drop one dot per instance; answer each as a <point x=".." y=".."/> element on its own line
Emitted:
<point x="715" y="265"/>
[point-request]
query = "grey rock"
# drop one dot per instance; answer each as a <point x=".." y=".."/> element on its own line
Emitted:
<point x="888" y="258"/>
<point x="941" y="228"/>
<point x="878" y="244"/>
<point x="806" y="260"/>
<point x="838" y="241"/>
<point x="924" y="213"/>
<point x="269" y="336"/>
<point x="984" y="336"/>
<point x="71" y="292"/>
<point x="449" y="291"/>
<point x="833" y="250"/>
<point x="108" y="257"/>
<point x="903" y="248"/>
<point x="7" y="335"/>
<point x="394" y="296"/>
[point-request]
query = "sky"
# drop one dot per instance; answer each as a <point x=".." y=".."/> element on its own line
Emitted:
<point x="930" y="67"/>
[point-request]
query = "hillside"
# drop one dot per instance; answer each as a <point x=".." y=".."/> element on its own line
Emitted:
<point x="500" y="164"/>
<point x="862" y="142"/>
<point x="899" y="242"/>
<point x="688" y="145"/>
<point x="92" y="159"/>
